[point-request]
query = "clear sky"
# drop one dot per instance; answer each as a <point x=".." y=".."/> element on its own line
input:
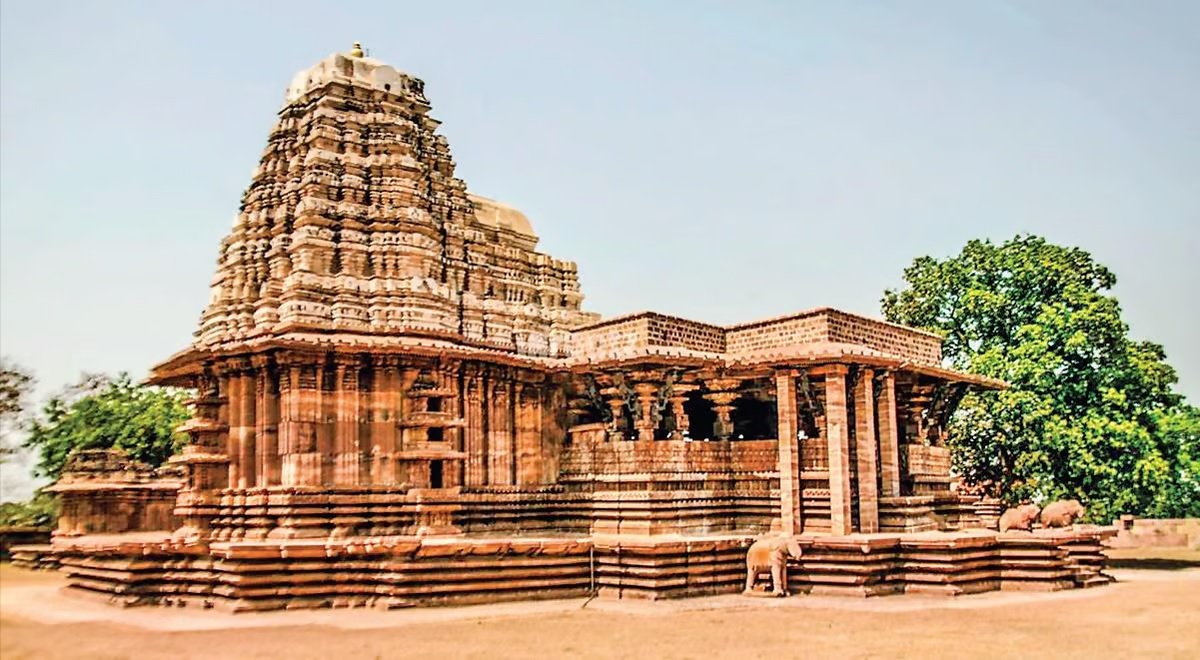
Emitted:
<point x="719" y="161"/>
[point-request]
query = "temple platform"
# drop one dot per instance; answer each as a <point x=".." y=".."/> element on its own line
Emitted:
<point x="395" y="572"/>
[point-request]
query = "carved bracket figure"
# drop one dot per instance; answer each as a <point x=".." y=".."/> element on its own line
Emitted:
<point x="769" y="555"/>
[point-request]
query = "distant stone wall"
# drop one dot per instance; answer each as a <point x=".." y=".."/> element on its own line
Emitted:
<point x="21" y="535"/>
<point x="1157" y="532"/>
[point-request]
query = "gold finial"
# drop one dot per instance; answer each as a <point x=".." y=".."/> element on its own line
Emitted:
<point x="357" y="51"/>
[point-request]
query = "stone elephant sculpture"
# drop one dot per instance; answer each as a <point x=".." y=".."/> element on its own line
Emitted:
<point x="1062" y="513"/>
<point x="770" y="555"/>
<point x="1019" y="517"/>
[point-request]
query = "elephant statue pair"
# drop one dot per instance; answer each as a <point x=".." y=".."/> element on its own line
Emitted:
<point x="1060" y="514"/>
<point x="769" y="555"/>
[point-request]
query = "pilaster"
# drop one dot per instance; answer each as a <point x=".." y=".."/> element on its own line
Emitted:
<point x="790" y="496"/>
<point x="837" y="434"/>
<point x="866" y="452"/>
<point x="889" y="436"/>
<point x="346" y="453"/>
<point x="266" y="418"/>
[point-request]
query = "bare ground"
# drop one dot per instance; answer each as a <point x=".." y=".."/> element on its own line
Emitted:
<point x="1149" y="613"/>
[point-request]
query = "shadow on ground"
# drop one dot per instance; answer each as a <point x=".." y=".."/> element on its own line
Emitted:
<point x="1155" y="563"/>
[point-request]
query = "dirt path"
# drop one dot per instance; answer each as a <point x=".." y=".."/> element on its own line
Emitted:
<point x="1149" y="614"/>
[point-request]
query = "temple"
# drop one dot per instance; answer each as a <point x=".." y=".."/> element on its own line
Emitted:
<point x="399" y="400"/>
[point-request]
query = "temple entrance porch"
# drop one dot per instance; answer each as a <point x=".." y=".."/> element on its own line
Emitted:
<point x="855" y="448"/>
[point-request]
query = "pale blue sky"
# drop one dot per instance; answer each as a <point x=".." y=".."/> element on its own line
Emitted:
<point x="719" y="161"/>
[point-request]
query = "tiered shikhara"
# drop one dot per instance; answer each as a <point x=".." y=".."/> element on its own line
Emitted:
<point x="387" y="365"/>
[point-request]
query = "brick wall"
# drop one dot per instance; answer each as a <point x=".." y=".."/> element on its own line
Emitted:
<point x="803" y="328"/>
<point x="669" y="331"/>
<point x="608" y="336"/>
<point x="915" y="345"/>
<point x="821" y="325"/>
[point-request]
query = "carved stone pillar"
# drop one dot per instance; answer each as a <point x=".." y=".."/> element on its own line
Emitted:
<point x="646" y="396"/>
<point x="790" y="492"/>
<point x="302" y="463"/>
<point x="722" y="393"/>
<point x="837" y="435"/>
<point x="865" y="452"/>
<point x="529" y="435"/>
<point x="678" y="398"/>
<point x="616" y="403"/>
<point x="473" y="433"/>
<point x="289" y="376"/>
<point x="723" y="407"/>
<point x="385" y="408"/>
<point x="516" y="430"/>
<point x="204" y="458"/>
<point x="250" y="424"/>
<point x="500" y="432"/>
<point x="232" y="411"/>
<point x="345" y="432"/>
<point x="325" y="424"/>
<point x="266" y="418"/>
<point x="889" y="437"/>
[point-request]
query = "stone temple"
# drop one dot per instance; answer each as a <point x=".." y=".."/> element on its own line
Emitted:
<point x="400" y="401"/>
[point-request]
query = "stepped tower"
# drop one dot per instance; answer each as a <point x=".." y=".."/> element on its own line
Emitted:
<point x="354" y="223"/>
<point x="371" y="324"/>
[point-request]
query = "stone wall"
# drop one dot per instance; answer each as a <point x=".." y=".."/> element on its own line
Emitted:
<point x="675" y="486"/>
<point x="611" y="335"/>
<point x="672" y="331"/>
<point x="105" y="492"/>
<point x="21" y="535"/>
<point x="802" y="328"/>
<point x="918" y="346"/>
<point x="1157" y="532"/>
<point x="677" y="460"/>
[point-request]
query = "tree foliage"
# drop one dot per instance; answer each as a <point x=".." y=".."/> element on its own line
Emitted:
<point x="40" y="511"/>
<point x="1090" y="413"/>
<point x="15" y="384"/>
<point x="102" y="413"/>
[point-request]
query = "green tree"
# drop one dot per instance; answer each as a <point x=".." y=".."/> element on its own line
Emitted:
<point x="1091" y="413"/>
<point x="41" y="511"/>
<point x="15" y="384"/>
<point x="102" y="413"/>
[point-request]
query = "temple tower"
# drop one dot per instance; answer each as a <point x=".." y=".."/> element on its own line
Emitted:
<point x="354" y="223"/>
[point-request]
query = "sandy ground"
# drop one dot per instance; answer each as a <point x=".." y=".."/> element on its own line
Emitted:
<point x="1149" y="613"/>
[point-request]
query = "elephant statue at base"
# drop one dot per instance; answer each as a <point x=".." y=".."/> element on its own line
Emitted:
<point x="770" y="555"/>
<point x="1062" y="513"/>
<point x="1019" y="517"/>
